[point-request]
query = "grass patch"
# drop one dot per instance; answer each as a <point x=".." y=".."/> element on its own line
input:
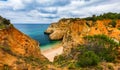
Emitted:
<point x="2" y="26"/>
<point x="35" y="61"/>
<point x="7" y="49"/>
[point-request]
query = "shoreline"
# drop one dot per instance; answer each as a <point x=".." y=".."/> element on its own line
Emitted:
<point x="49" y="46"/>
<point x="50" y="53"/>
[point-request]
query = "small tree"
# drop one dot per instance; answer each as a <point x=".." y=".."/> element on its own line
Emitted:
<point x="6" y="21"/>
<point x="113" y="23"/>
<point x="94" y="18"/>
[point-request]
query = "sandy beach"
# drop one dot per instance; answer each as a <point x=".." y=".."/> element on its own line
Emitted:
<point x="52" y="52"/>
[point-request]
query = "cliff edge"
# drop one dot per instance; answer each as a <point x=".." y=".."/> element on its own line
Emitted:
<point x="17" y="50"/>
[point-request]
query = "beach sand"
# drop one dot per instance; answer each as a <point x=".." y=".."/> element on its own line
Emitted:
<point x="52" y="52"/>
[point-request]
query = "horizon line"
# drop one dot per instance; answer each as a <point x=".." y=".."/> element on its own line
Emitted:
<point x="30" y="23"/>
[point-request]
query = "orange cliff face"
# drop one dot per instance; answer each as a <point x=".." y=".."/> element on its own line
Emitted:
<point x="76" y="29"/>
<point x="18" y="51"/>
<point x="19" y="43"/>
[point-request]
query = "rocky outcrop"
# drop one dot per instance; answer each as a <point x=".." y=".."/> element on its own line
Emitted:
<point x="72" y="31"/>
<point x="17" y="50"/>
<point x="57" y="35"/>
<point x="56" y="30"/>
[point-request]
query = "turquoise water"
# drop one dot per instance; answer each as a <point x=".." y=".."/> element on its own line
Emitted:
<point x="36" y="31"/>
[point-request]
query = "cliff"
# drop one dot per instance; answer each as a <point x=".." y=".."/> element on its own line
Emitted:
<point x="81" y="39"/>
<point x="72" y="31"/>
<point x="17" y="50"/>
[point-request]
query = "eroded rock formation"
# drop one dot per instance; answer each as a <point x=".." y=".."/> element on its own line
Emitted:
<point x="17" y="50"/>
<point x="72" y="31"/>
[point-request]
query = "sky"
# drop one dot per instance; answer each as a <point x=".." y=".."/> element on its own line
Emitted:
<point x="48" y="11"/>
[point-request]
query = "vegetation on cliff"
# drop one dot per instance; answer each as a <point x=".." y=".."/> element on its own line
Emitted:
<point x="4" y="22"/>
<point x="109" y="15"/>
<point x="97" y="49"/>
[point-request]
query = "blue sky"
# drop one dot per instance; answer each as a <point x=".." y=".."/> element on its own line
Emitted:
<point x="47" y="11"/>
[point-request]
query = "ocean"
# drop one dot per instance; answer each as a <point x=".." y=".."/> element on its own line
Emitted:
<point x="36" y="31"/>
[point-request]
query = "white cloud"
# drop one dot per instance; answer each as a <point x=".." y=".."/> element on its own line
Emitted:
<point x="85" y="9"/>
<point x="15" y="4"/>
<point x="36" y="13"/>
<point x="45" y="1"/>
<point x="45" y="11"/>
<point x="99" y="9"/>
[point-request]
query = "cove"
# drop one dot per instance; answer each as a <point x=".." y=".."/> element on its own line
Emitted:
<point x="36" y="31"/>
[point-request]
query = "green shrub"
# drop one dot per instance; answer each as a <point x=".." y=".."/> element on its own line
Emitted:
<point x="88" y="58"/>
<point x="110" y="67"/>
<point x="119" y="28"/>
<point x="6" y="21"/>
<point x="105" y="39"/>
<point x="18" y="62"/>
<point x="34" y="61"/>
<point x="6" y="67"/>
<point x="113" y="23"/>
<point x="109" y="57"/>
<point x="5" y="48"/>
<point x="99" y="68"/>
<point x="2" y="26"/>
<point x="71" y="66"/>
<point x="59" y="59"/>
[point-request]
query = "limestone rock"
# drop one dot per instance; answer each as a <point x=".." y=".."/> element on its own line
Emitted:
<point x="18" y="51"/>
<point x="57" y="35"/>
<point x="71" y="31"/>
